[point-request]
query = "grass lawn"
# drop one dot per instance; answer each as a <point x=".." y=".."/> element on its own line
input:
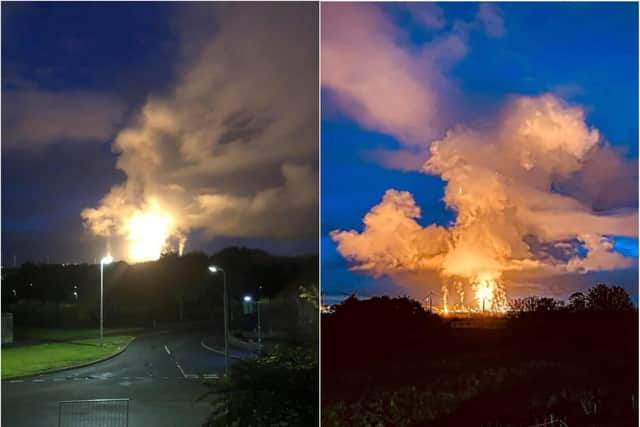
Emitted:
<point x="46" y="334"/>
<point x="32" y="359"/>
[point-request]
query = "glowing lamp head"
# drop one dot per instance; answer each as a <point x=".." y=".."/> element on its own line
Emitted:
<point x="214" y="269"/>
<point x="106" y="260"/>
<point x="247" y="298"/>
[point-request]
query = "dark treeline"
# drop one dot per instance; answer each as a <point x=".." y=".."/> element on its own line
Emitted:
<point x="170" y="289"/>
<point x="545" y="357"/>
<point x="600" y="318"/>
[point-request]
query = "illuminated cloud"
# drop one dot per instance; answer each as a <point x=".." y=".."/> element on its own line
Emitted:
<point x="500" y="182"/>
<point x="374" y="77"/>
<point x="232" y="148"/>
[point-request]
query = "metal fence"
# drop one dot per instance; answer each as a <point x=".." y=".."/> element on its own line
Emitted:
<point x="94" y="413"/>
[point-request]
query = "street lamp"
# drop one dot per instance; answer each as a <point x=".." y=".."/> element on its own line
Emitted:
<point x="248" y="299"/>
<point x="106" y="260"/>
<point x="215" y="269"/>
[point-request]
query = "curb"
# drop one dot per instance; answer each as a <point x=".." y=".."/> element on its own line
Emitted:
<point x="68" y="368"/>
<point x="214" y="350"/>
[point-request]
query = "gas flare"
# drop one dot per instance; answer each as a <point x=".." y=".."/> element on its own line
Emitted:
<point x="489" y="294"/>
<point x="148" y="233"/>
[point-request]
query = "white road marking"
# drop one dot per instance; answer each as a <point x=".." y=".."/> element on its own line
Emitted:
<point x="181" y="371"/>
<point x="16" y="381"/>
<point x="37" y="381"/>
<point x="209" y="376"/>
<point x="167" y="348"/>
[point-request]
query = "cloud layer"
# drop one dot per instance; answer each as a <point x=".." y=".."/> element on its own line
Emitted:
<point x="33" y="117"/>
<point x="500" y="183"/>
<point x="373" y="75"/>
<point x="537" y="192"/>
<point x="232" y="149"/>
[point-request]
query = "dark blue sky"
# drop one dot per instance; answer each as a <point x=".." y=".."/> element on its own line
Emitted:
<point x="109" y="55"/>
<point x="585" y="53"/>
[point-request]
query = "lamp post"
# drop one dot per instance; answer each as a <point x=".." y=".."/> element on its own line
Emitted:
<point x="259" y="327"/>
<point x="215" y="269"/>
<point x="248" y="299"/>
<point x="106" y="260"/>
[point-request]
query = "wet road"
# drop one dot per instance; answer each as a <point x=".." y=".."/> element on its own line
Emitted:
<point x="161" y="375"/>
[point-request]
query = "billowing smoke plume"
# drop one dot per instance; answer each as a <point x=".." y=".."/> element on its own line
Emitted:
<point x="232" y="148"/>
<point x="500" y="182"/>
<point x="535" y="190"/>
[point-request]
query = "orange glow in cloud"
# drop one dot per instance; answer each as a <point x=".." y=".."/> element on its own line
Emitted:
<point x="499" y="183"/>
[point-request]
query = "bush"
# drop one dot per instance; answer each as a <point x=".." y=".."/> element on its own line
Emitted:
<point x="281" y="387"/>
<point x="367" y="330"/>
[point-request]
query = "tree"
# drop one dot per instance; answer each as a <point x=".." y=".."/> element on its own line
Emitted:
<point x="535" y="304"/>
<point x="608" y="298"/>
<point x="310" y="293"/>
<point x="577" y="301"/>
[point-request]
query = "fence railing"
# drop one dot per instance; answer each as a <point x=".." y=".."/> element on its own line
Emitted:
<point x="94" y="413"/>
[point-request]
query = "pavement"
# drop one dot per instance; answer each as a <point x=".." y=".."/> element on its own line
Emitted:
<point x="161" y="374"/>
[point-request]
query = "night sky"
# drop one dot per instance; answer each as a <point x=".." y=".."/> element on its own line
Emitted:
<point x="75" y="75"/>
<point x="583" y="53"/>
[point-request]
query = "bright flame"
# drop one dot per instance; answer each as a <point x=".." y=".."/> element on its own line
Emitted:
<point x="489" y="293"/>
<point x="148" y="233"/>
<point x="484" y="292"/>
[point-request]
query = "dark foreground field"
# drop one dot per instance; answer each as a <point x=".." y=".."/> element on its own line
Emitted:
<point x="387" y="362"/>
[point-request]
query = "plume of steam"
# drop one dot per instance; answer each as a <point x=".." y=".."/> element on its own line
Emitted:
<point x="500" y="181"/>
<point x="232" y="148"/>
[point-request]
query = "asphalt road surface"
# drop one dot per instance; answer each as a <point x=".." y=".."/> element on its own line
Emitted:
<point x="162" y="375"/>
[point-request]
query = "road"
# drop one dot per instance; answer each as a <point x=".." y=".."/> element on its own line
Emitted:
<point x="162" y="375"/>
